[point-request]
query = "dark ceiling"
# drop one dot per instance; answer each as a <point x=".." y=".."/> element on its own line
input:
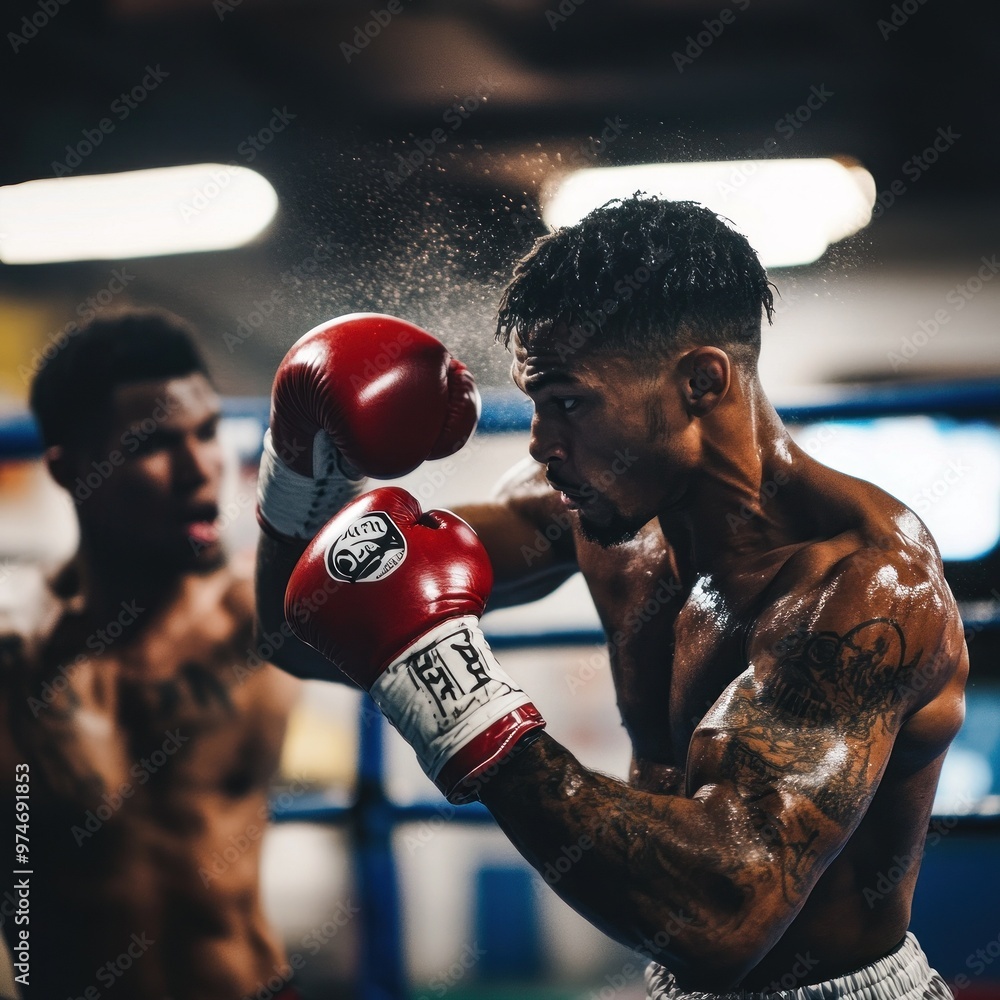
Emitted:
<point x="356" y="232"/>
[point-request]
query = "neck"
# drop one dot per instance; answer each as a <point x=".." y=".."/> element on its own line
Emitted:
<point x="107" y="579"/>
<point x="731" y="515"/>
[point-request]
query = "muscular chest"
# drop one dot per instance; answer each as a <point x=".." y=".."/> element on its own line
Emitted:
<point x="673" y="648"/>
<point x="141" y="731"/>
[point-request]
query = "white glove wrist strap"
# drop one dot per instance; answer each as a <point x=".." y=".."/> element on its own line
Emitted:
<point x="444" y="690"/>
<point x="298" y="506"/>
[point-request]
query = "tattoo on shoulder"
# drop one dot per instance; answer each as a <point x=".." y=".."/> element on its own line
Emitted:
<point x="824" y="678"/>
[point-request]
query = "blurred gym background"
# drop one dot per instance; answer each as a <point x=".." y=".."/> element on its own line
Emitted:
<point x="411" y="148"/>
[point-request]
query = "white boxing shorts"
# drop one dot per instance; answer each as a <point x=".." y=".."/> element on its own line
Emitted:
<point x="903" y="974"/>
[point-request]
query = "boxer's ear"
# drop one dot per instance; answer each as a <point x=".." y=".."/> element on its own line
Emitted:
<point x="59" y="464"/>
<point x="704" y="375"/>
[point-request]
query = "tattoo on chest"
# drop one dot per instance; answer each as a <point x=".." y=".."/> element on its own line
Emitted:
<point x="160" y="702"/>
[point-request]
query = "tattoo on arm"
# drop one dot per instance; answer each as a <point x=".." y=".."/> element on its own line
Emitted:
<point x="824" y="678"/>
<point x="813" y="725"/>
<point x="786" y="764"/>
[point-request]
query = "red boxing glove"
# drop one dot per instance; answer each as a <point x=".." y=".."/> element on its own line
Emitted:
<point x="393" y="597"/>
<point x="362" y="395"/>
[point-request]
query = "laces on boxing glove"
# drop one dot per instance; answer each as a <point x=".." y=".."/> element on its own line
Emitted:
<point x="297" y="506"/>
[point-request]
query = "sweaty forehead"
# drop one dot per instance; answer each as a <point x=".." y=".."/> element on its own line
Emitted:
<point x="539" y="365"/>
<point x="188" y="398"/>
<point x="536" y="364"/>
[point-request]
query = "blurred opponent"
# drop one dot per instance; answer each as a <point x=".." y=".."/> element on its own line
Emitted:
<point x="149" y="742"/>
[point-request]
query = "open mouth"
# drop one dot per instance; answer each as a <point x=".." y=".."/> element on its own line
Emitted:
<point x="574" y="499"/>
<point x="201" y="524"/>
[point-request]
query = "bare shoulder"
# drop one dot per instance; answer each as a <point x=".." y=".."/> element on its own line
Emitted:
<point x="525" y="490"/>
<point x="527" y="533"/>
<point x="525" y="487"/>
<point x="238" y="592"/>
<point x="525" y="480"/>
<point x="870" y="614"/>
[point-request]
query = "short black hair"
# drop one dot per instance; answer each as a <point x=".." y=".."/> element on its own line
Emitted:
<point x="637" y="276"/>
<point x="71" y="393"/>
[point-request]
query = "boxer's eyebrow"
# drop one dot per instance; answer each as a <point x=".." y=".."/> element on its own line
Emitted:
<point x="535" y="383"/>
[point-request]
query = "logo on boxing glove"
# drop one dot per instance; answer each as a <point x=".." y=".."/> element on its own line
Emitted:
<point x="369" y="549"/>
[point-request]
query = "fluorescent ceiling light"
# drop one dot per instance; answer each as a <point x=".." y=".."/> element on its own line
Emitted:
<point x="789" y="210"/>
<point x="140" y="213"/>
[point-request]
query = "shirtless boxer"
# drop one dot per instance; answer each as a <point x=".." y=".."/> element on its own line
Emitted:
<point x="130" y="693"/>
<point x="789" y="707"/>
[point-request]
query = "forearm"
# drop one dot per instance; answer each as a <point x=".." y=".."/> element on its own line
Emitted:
<point x="667" y="875"/>
<point x="527" y="565"/>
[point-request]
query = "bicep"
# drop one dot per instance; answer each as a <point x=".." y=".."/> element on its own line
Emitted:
<point x="528" y="537"/>
<point x="795" y="792"/>
<point x="799" y="742"/>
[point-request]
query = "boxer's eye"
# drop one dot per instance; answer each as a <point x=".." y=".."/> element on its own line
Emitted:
<point x="207" y="430"/>
<point x="566" y="403"/>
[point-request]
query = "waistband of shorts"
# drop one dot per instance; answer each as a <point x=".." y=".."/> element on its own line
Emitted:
<point x="903" y="974"/>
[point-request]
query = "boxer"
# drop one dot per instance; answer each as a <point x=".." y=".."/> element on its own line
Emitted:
<point x="790" y="688"/>
<point x="140" y="723"/>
